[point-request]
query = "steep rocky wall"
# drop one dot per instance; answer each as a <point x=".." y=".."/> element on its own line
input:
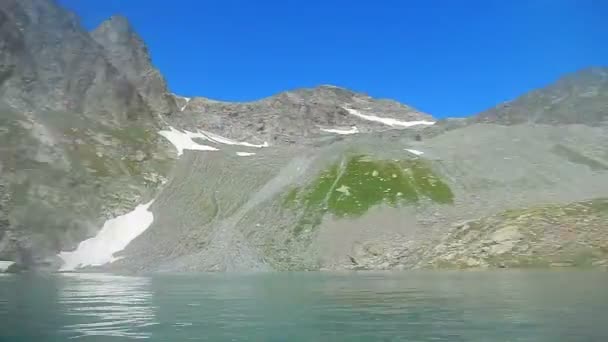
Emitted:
<point x="78" y="141"/>
<point x="50" y="63"/>
<point x="128" y="53"/>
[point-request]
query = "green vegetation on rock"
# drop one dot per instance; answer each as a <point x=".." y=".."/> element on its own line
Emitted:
<point x="353" y="186"/>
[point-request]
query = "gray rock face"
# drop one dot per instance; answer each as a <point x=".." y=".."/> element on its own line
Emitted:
<point x="49" y="63"/>
<point x="294" y="116"/>
<point x="537" y="236"/>
<point x="578" y="98"/>
<point x="78" y="141"/>
<point x="128" y="53"/>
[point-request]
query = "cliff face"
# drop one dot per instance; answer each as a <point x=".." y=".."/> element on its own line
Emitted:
<point x="77" y="133"/>
<point x="128" y="53"/>
<point x="49" y="63"/>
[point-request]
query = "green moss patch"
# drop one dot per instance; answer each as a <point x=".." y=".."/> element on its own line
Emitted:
<point x="353" y="186"/>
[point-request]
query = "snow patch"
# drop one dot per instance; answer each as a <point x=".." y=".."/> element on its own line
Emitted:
<point x="4" y="265"/>
<point x="387" y="121"/>
<point x="416" y="152"/>
<point x="227" y="141"/>
<point x="183" y="140"/>
<point x="245" y="154"/>
<point x="115" y="235"/>
<point x="187" y="99"/>
<point x="353" y="130"/>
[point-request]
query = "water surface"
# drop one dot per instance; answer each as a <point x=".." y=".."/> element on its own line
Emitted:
<point x="407" y="306"/>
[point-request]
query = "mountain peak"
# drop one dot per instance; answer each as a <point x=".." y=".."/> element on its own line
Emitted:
<point x="118" y="20"/>
<point x="118" y="30"/>
<point x="117" y="36"/>
<point x="576" y="98"/>
<point x="129" y="54"/>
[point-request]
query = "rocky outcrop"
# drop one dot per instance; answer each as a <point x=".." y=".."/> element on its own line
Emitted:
<point x="572" y="235"/>
<point x="128" y="53"/>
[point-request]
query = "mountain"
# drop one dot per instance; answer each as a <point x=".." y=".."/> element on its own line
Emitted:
<point x="297" y="115"/>
<point x="79" y="139"/>
<point x="102" y="166"/>
<point x="50" y="63"/>
<point x="578" y="98"/>
<point x="387" y="199"/>
<point x="79" y="123"/>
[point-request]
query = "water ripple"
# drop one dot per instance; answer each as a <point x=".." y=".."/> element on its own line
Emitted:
<point x="409" y="306"/>
<point x="104" y="305"/>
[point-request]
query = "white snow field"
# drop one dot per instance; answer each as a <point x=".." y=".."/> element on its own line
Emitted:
<point x="387" y="121"/>
<point x="4" y="265"/>
<point x="183" y="140"/>
<point x="115" y="235"/>
<point x="416" y="152"/>
<point x="186" y="105"/>
<point x="227" y="141"/>
<point x="353" y="130"/>
<point x="245" y="154"/>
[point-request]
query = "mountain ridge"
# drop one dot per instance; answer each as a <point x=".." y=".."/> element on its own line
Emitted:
<point x="292" y="116"/>
<point x="560" y="102"/>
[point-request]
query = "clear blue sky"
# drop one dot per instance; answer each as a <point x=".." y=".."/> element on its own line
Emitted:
<point x="448" y="58"/>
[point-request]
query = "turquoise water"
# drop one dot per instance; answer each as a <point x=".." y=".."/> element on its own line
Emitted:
<point x="408" y="306"/>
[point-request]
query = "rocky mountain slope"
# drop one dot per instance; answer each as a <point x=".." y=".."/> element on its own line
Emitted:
<point x="298" y="115"/>
<point x="127" y="53"/>
<point x="556" y="235"/>
<point x="78" y="140"/>
<point x="392" y="199"/>
<point x="578" y="98"/>
<point x="364" y="202"/>
<point x="309" y="179"/>
<point x="80" y="116"/>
